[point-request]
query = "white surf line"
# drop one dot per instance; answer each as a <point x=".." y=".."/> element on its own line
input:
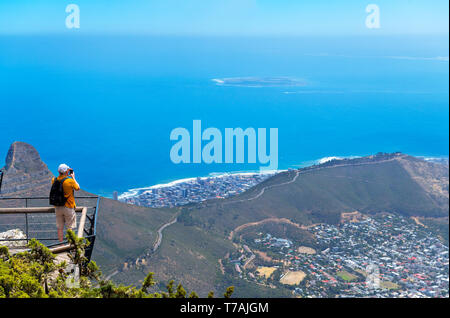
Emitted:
<point x="130" y="193"/>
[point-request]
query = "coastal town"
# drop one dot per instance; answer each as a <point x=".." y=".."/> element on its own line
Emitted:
<point x="193" y="190"/>
<point x="378" y="256"/>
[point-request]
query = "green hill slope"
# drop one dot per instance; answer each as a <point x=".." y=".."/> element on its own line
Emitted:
<point x="191" y="248"/>
<point x="125" y="232"/>
<point x="320" y="194"/>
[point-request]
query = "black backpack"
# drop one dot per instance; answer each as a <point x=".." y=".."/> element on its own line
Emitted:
<point x="57" y="197"/>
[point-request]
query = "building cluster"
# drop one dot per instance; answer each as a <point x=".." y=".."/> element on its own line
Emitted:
<point x="381" y="256"/>
<point x="195" y="190"/>
<point x="246" y="256"/>
<point x="274" y="242"/>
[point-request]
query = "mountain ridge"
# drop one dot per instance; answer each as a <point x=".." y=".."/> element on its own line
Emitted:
<point x="192" y="248"/>
<point x="24" y="171"/>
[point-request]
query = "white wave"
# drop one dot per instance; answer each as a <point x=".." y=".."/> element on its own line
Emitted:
<point x="136" y="191"/>
<point x="420" y="58"/>
<point x="326" y="159"/>
<point x="309" y="163"/>
<point x="394" y="57"/>
<point x="314" y="92"/>
<point x="259" y="81"/>
<point x="218" y="81"/>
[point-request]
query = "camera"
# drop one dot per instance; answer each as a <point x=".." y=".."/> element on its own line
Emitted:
<point x="70" y="171"/>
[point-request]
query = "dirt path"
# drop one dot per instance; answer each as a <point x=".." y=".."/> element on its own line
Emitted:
<point x="268" y="220"/>
<point x="111" y="275"/>
<point x="160" y="235"/>
<point x="155" y="246"/>
<point x="221" y="266"/>
<point x="298" y="172"/>
<point x="264" y="189"/>
<point x="416" y="219"/>
<point x="278" y="220"/>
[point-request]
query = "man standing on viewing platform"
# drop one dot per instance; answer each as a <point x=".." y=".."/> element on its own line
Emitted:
<point x="62" y="197"/>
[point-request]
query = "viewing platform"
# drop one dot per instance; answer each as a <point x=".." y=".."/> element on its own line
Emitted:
<point x="30" y="217"/>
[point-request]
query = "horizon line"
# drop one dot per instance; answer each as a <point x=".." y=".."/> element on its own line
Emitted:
<point x="235" y="35"/>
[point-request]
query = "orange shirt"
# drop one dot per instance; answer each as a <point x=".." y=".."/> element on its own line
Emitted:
<point x="69" y="186"/>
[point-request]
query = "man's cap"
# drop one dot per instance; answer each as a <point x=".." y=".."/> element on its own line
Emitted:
<point x="63" y="168"/>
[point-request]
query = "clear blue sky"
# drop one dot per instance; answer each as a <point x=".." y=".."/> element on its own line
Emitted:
<point x="225" y="17"/>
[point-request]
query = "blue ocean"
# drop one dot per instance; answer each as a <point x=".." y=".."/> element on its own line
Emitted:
<point x="106" y="105"/>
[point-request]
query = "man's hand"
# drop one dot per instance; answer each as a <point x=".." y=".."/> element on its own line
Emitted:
<point x="77" y="187"/>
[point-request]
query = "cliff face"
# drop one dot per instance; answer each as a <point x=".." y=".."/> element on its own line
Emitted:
<point x="24" y="173"/>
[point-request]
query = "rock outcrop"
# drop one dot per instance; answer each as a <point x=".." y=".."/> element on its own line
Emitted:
<point x="24" y="173"/>
<point x="13" y="234"/>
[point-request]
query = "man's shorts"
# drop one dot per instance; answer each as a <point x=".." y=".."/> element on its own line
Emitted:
<point x="65" y="216"/>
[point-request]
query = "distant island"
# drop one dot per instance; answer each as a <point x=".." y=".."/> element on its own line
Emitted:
<point x="259" y="81"/>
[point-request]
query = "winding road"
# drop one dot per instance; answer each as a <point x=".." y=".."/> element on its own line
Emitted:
<point x="160" y="235"/>
<point x="155" y="246"/>
<point x="298" y="172"/>
<point x="259" y="194"/>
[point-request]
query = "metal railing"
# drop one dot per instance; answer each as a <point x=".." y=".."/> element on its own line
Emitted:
<point x="1" y="179"/>
<point x="34" y="217"/>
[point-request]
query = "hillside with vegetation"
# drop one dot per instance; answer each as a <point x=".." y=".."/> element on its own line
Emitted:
<point x="37" y="273"/>
<point x="291" y="201"/>
<point x="321" y="193"/>
<point x="126" y="232"/>
<point x="199" y="240"/>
